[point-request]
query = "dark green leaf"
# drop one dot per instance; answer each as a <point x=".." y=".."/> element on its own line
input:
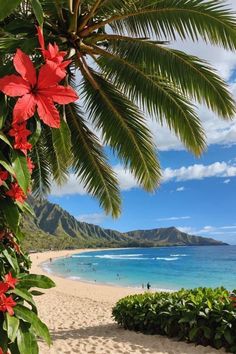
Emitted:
<point x="19" y="163"/>
<point x="6" y="164"/>
<point x="26" y="341"/>
<point x="38" y="11"/>
<point x="11" y="213"/>
<point x="11" y="260"/>
<point x="5" y="139"/>
<point x="38" y="326"/>
<point x="12" y="326"/>
<point x="24" y="294"/>
<point x="7" y="7"/>
<point x="34" y="280"/>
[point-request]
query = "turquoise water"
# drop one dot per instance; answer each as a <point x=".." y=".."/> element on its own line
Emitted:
<point x="165" y="267"/>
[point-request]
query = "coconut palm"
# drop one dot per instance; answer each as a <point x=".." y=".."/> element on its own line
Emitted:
<point x="125" y="71"/>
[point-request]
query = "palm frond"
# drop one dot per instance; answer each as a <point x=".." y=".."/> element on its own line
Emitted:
<point x="90" y="164"/>
<point x="41" y="176"/>
<point x="170" y="19"/>
<point x="123" y="128"/>
<point x="193" y="76"/>
<point x="158" y="97"/>
<point x="57" y="146"/>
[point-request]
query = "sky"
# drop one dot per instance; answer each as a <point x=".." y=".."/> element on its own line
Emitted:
<point x="196" y="195"/>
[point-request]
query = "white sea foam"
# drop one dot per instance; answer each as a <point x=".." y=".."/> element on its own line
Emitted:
<point x="46" y="268"/>
<point x="178" y="255"/>
<point x="168" y="259"/>
<point x="121" y="257"/>
<point x="80" y="256"/>
<point x="74" y="278"/>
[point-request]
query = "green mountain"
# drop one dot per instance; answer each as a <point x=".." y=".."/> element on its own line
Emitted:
<point x="55" y="228"/>
<point x="171" y="236"/>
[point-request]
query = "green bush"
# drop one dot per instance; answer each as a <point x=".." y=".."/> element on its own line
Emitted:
<point x="203" y="316"/>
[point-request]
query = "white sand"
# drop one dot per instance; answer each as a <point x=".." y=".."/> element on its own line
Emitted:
<point x="79" y="317"/>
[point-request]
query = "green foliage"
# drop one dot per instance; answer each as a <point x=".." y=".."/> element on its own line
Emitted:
<point x="204" y="316"/>
<point x="7" y="7"/>
<point x="22" y="329"/>
<point x="124" y="68"/>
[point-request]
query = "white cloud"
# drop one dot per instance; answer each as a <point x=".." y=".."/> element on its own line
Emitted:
<point x="228" y="227"/>
<point x="128" y="182"/>
<point x="173" y="218"/>
<point x="187" y="229"/>
<point x="218" y="229"/>
<point x="227" y="181"/>
<point x="180" y="189"/>
<point x="95" y="218"/>
<point x="125" y="178"/>
<point x="72" y="186"/>
<point x="217" y="131"/>
<point x="199" y="171"/>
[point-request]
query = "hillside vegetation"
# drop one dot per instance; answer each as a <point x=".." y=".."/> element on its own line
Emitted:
<point x="55" y="228"/>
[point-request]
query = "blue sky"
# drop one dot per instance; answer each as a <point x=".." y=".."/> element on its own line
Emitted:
<point x="196" y="195"/>
<point x="203" y="206"/>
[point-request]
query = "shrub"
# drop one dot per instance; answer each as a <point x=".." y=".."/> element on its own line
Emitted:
<point x="204" y="316"/>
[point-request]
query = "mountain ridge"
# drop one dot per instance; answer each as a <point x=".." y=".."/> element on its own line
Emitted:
<point x="54" y="227"/>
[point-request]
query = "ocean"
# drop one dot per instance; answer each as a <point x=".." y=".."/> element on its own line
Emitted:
<point x="167" y="268"/>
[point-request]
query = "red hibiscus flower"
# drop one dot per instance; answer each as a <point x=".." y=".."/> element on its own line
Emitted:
<point x="7" y="304"/>
<point x="52" y="53"/>
<point x="3" y="288"/>
<point x="10" y="281"/>
<point x="16" y="193"/>
<point x="34" y="92"/>
<point x="3" y="177"/>
<point x="30" y="165"/>
<point x="20" y="133"/>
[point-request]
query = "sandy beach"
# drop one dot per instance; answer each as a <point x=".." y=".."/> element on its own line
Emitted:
<point x="79" y="317"/>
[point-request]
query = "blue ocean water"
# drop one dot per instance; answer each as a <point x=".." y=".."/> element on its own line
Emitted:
<point x="165" y="268"/>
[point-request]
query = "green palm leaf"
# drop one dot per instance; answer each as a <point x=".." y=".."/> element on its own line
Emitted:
<point x="57" y="146"/>
<point x="90" y="164"/>
<point x="160" y="98"/>
<point x="123" y="128"/>
<point x="193" y="76"/>
<point x="135" y="70"/>
<point x="170" y="19"/>
<point x="41" y="175"/>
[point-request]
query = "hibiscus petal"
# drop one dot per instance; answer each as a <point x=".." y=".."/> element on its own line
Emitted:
<point x="60" y="94"/>
<point x="64" y="64"/>
<point x="25" y="67"/>
<point x="53" y="50"/>
<point x="24" y="108"/>
<point x="49" y="75"/>
<point x="13" y="85"/>
<point x="10" y="310"/>
<point x="48" y="112"/>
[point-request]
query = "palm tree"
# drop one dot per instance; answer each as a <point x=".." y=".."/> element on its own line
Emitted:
<point x="124" y="70"/>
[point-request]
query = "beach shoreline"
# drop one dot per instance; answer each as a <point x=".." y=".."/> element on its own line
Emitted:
<point x="45" y="266"/>
<point x="78" y="315"/>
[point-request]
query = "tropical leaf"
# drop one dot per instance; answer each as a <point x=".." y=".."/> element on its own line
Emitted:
<point x="38" y="11"/>
<point x="170" y="19"/>
<point x="41" y="176"/>
<point x="160" y="98"/>
<point x="19" y="164"/>
<point x="38" y="326"/>
<point x="193" y="76"/>
<point x="7" y="7"/>
<point x="123" y="128"/>
<point x="56" y="148"/>
<point x="90" y="163"/>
